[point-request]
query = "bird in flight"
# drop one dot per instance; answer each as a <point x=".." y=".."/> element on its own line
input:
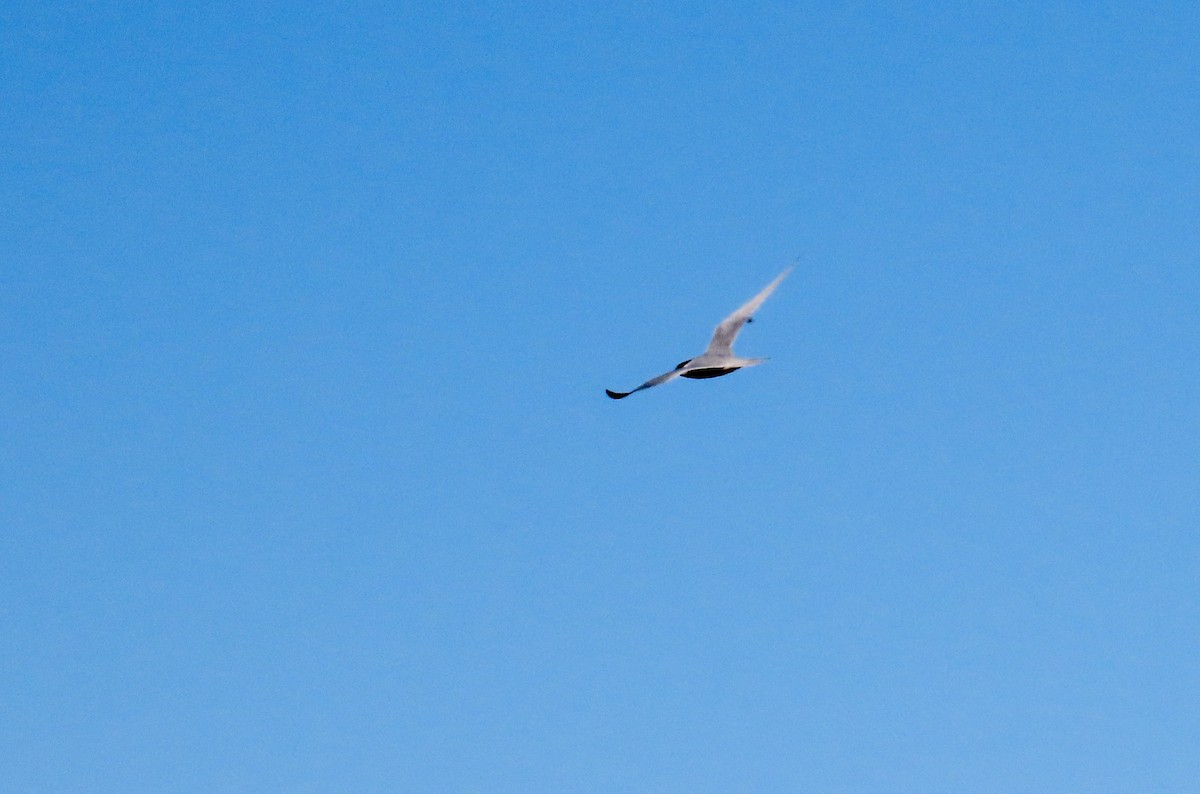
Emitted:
<point x="719" y="358"/>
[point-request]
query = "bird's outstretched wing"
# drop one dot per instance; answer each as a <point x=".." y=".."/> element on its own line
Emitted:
<point x="727" y="331"/>
<point x="663" y="378"/>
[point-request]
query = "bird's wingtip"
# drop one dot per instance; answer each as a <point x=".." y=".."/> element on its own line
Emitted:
<point x="617" y="395"/>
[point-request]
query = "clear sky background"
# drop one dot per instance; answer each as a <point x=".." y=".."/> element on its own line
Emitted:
<point x="308" y="481"/>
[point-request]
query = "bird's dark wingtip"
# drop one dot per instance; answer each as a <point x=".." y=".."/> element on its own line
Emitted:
<point x="617" y="395"/>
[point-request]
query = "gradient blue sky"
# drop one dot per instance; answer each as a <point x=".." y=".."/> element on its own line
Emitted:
<point x="309" y="482"/>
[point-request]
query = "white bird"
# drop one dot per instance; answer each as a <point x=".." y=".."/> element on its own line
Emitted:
<point x="719" y="358"/>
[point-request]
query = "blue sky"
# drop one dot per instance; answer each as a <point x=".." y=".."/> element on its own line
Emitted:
<point x="308" y="478"/>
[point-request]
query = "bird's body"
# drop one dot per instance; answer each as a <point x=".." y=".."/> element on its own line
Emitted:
<point x="719" y="358"/>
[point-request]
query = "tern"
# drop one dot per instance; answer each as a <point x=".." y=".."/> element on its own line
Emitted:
<point x="719" y="358"/>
